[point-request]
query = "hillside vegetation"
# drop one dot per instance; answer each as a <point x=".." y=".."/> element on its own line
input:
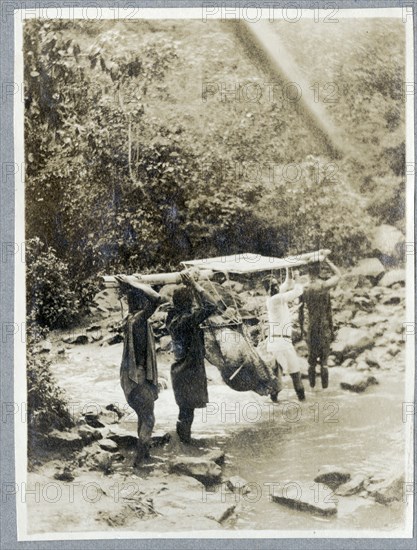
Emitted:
<point x="130" y="167"/>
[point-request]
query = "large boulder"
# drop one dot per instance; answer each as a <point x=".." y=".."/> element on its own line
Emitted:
<point x="388" y="243"/>
<point x="392" y="277"/>
<point x="305" y="497"/>
<point x="63" y="441"/>
<point x="371" y="268"/>
<point x="350" y="342"/>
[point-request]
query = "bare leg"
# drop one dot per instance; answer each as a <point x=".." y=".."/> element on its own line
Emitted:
<point x="278" y="383"/>
<point x="142" y="402"/>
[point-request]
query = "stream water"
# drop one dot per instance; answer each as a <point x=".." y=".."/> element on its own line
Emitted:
<point x="271" y="443"/>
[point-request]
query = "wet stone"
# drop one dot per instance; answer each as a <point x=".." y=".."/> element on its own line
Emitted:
<point x="357" y="382"/>
<point x="237" y="484"/>
<point x="304" y="497"/>
<point x="353" y="486"/>
<point x="390" y="490"/>
<point x="63" y="441"/>
<point x="122" y="437"/>
<point x="89" y="434"/>
<point x="217" y="456"/>
<point x="93" y="420"/>
<point x="332" y="476"/>
<point x="64" y="475"/>
<point x="108" y="445"/>
<point x="79" y="339"/>
<point x="204" y="470"/>
<point x="160" y="438"/>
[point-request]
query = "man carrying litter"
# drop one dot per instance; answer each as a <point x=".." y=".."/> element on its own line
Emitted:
<point x="280" y="344"/>
<point x="188" y="373"/>
<point x="319" y="333"/>
<point x="138" y="371"/>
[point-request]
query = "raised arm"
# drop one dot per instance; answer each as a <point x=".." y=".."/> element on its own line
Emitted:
<point x="153" y="299"/>
<point x="334" y="280"/>
<point x="206" y="305"/>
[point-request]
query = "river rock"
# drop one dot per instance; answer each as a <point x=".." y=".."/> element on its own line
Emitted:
<point x="332" y="476"/>
<point x="117" y="411"/>
<point x="159" y="439"/>
<point x="165" y="343"/>
<point x="112" y="339"/>
<point x="392" y="277"/>
<point x="79" y="339"/>
<point x="108" y="445"/>
<point x="305" y="497"/>
<point x="357" y="382"/>
<point x="362" y="366"/>
<point x="93" y="328"/>
<point x="353" y="486"/>
<point x="122" y="437"/>
<point x="392" y="300"/>
<point x="237" y="484"/>
<point x="350" y="342"/>
<point x="389" y="490"/>
<point x="64" y="475"/>
<point x="204" y="470"/>
<point x="45" y="347"/>
<point x="186" y="497"/>
<point x="89" y="434"/>
<point x="216" y="456"/>
<point x="93" y="420"/>
<point x="361" y="321"/>
<point x="372" y="359"/>
<point x="371" y="268"/>
<point x="63" y="441"/>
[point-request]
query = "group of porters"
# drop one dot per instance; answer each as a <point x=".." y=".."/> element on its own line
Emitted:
<point x="191" y="308"/>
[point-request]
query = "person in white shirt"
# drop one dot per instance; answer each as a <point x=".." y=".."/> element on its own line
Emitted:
<point x="279" y="343"/>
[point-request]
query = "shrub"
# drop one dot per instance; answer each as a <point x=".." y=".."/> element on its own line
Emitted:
<point x="47" y="404"/>
<point x="388" y="202"/>
<point x="51" y="300"/>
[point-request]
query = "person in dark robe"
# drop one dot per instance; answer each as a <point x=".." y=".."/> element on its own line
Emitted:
<point x="188" y="373"/>
<point x="319" y="334"/>
<point x="138" y="371"/>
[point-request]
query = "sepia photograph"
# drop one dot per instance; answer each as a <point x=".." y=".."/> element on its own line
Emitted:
<point x="215" y="276"/>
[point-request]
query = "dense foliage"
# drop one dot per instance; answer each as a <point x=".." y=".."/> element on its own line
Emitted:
<point x="47" y="404"/>
<point x="128" y="169"/>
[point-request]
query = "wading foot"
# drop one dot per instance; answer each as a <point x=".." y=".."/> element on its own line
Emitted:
<point x="274" y="397"/>
<point x="312" y="376"/>
<point x="184" y="432"/>
<point x="142" y="454"/>
<point x="324" y="372"/>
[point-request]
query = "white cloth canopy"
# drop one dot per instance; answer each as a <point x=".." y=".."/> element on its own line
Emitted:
<point x="250" y="263"/>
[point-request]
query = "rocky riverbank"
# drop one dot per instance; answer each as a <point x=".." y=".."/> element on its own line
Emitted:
<point x="199" y="486"/>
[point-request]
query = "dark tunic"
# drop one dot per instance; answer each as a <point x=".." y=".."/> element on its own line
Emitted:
<point x="319" y="334"/>
<point x="138" y="366"/>
<point x="188" y="372"/>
